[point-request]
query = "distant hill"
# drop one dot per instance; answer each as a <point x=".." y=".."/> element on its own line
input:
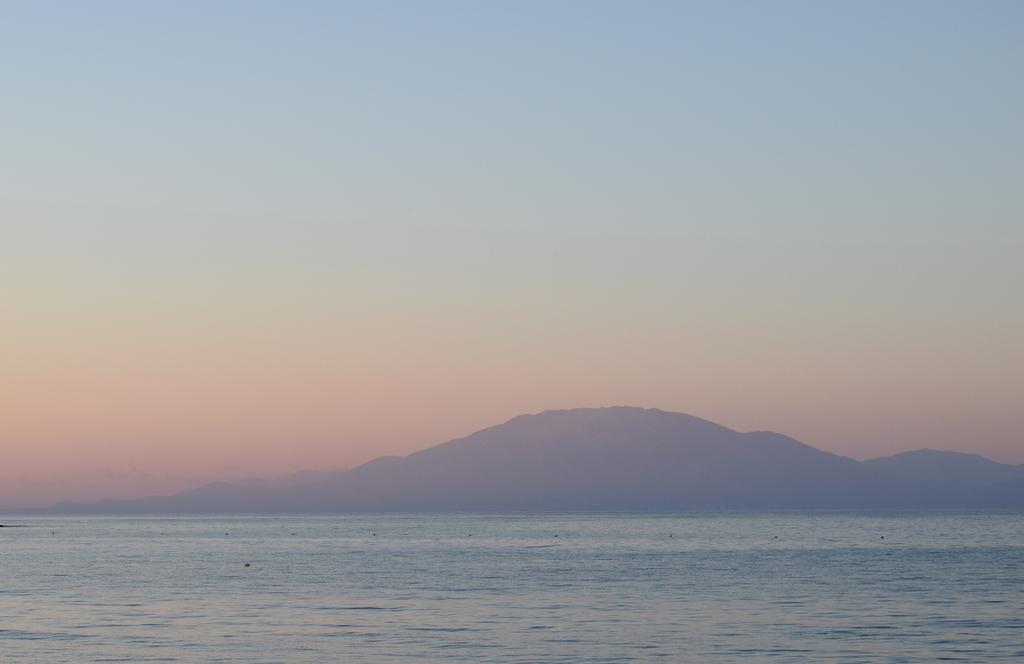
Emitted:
<point x="939" y="466"/>
<point x="299" y="478"/>
<point x="600" y="459"/>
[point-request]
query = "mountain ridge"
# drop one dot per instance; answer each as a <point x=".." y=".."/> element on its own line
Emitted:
<point x="613" y="458"/>
<point x="943" y="465"/>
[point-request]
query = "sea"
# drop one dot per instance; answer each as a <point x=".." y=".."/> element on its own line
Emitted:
<point x="775" y="587"/>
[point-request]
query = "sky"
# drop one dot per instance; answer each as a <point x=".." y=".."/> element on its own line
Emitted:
<point x="250" y="238"/>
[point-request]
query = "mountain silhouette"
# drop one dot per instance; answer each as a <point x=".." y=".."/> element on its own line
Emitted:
<point x="940" y="466"/>
<point x="617" y="458"/>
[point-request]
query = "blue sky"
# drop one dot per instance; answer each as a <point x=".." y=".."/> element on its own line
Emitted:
<point x="758" y="210"/>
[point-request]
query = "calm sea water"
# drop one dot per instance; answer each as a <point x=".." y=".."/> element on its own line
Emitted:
<point x="514" y="588"/>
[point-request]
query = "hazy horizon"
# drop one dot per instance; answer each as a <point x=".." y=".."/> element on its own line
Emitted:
<point x="130" y="483"/>
<point x="252" y="239"/>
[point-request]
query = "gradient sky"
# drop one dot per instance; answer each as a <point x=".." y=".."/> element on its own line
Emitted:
<point x="254" y="237"/>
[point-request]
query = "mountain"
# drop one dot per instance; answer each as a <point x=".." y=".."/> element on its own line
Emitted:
<point x="590" y="459"/>
<point x="294" y="479"/>
<point x="940" y="466"/>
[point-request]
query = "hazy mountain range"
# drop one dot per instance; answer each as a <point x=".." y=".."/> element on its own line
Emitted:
<point x="612" y="459"/>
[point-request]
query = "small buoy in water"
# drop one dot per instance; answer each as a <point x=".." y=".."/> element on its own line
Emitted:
<point x="775" y="537"/>
<point x="293" y="534"/>
<point x="883" y="536"/>
<point x="556" y="535"/>
<point x="248" y="565"/>
<point x="670" y="536"/>
<point x="471" y="534"/>
<point x="375" y="534"/>
<point x="53" y="532"/>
